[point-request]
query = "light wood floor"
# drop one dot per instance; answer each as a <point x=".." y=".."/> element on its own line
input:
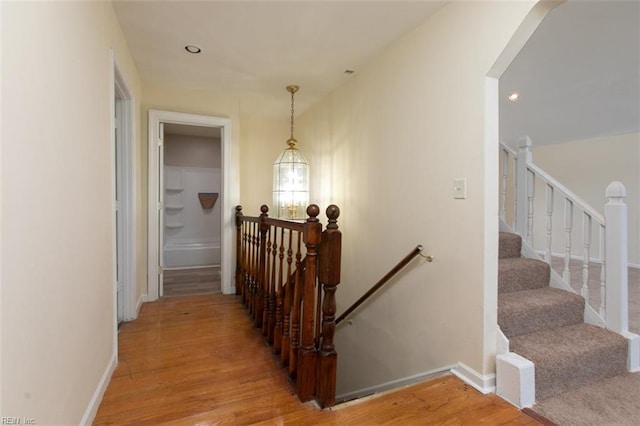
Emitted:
<point x="198" y="360"/>
<point x="189" y="282"/>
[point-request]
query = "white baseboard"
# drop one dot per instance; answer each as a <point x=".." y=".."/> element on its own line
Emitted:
<point x="96" y="399"/>
<point x="405" y="381"/>
<point x="142" y="299"/>
<point x="483" y="383"/>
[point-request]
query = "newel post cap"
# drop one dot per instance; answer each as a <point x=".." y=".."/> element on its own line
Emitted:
<point x="524" y="142"/>
<point x="616" y="192"/>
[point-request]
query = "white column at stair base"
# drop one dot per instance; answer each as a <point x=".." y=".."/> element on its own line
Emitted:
<point x="485" y="383"/>
<point x="515" y="379"/>
<point x="633" y="355"/>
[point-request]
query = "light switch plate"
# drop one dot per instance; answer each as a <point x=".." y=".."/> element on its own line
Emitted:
<point x="460" y="188"/>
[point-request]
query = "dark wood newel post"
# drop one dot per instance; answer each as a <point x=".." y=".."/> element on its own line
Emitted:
<point x="306" y="375"/>
<point x="329" y="278"/>
<point x="239" y="268"/>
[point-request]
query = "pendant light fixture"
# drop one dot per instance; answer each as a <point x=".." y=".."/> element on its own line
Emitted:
<point x="291" y="177"/>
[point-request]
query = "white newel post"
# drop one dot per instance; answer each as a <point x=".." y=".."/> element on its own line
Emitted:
<point x="615" y="215"/>
<point x="616" y="271"/>
<point x="522" y="202"/>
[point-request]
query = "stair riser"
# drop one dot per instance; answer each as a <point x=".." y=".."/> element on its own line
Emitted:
<point x="514" y="321"/>
<point x="522" y="274"/>
<point x="552" y="380"/>
<point x="510" y="245"/>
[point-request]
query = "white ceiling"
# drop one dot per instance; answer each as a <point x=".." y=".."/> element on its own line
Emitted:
<point x="578" y="76"/>
<point x="257" y="48"/>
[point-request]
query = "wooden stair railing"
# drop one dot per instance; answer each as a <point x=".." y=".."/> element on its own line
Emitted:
<point x="287" y="274"/>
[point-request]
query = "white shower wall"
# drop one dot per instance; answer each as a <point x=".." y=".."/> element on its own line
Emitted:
<point x="191" y="233"/>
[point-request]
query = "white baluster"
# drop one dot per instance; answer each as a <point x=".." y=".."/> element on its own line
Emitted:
<point x="531" y="193"/>
<point x="503" y="189"/>
<point x="522" y="172"/>
<point x="568" y="225"/>
<point x="586" y="243"/>
<point x="549" y="204"/>
<point x="603" y="282"/>
<point x="615" y="213"/>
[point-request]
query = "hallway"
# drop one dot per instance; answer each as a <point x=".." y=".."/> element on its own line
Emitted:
<point x="198" y="360"/>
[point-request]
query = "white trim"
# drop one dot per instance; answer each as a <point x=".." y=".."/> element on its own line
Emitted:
<point x="229" y="196"/>
<point x="393" y="384"/>
<point x="484" y="383"/>
<point x="490" y="223"/>
<point x="96" y="399"/>
<point x="128" y="197"/>
<point x="142" y="299"/>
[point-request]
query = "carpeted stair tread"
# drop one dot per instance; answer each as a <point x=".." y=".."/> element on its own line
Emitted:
<point x="529" y="311"/>
<point x="571" y="356"/>
<point x="510" y="245"/>
<point x="517" y="274"/>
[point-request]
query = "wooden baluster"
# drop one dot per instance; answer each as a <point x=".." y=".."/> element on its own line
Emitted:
<point x="268" y="283"/>
<point x="586" y="244"/>
<point x="238" y="249"/>
<point x="254" y="269"/>
<point x="531" y="193"/>
<point x="279" y="326"/>
<point x="273" y="287"/>
<point x="307" y="369"/>
<point x="549" y="204"/>
<point x="288" y="300"/>
<point x="329" y="277"/>
<point x="603" y="282"/>
<point x="296" y="300"/>
<point x="503" y="185"/>
<point x="568" y="225"/>
<point x="245" y="264"/>
<point x="260" y="272"/>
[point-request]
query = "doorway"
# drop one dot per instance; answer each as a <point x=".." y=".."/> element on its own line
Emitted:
<point x="192" y="184"/>
<point x="228" y="196"/>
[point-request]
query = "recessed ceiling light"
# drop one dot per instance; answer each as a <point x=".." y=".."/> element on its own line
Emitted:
<point x="514" y="96"/>
<point x="192" y="49"/>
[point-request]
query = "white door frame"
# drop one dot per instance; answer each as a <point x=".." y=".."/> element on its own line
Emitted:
<point x="126" y="172"/>
<point x="229" y="193"/>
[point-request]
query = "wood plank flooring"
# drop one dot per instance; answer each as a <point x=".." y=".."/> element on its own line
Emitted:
<point x="189" y="282"/>
<point x="198" y="360"/>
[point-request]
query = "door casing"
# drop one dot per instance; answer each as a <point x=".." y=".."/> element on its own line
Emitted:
<point x="229" y="196"/>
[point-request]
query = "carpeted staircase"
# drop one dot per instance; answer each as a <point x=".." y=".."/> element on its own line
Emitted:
<point x="546" y="326"/>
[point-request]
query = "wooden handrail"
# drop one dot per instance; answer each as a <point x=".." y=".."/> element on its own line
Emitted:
<point x="404" y="262"/>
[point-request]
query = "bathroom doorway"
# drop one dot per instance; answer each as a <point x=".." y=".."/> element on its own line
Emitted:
<point x="226" y="199"/>
<point x="192" y="185"/>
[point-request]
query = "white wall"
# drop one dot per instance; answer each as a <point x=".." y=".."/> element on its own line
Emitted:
<point x="58" y="310"/>
<point x="587" y="167"/>
<point x="386" y="148"/>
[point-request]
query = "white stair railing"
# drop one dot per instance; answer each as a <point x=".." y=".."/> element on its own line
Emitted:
<point x="519" y="178"/>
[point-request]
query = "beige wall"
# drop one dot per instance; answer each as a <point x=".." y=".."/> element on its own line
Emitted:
<point x="261" y="142"/>
<point x="57" y="311"/>
<point x="386" y="148"/>
<point x="587" y="167"/>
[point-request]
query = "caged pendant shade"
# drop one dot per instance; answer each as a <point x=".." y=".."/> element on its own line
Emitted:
<point x="291" y="177"/>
